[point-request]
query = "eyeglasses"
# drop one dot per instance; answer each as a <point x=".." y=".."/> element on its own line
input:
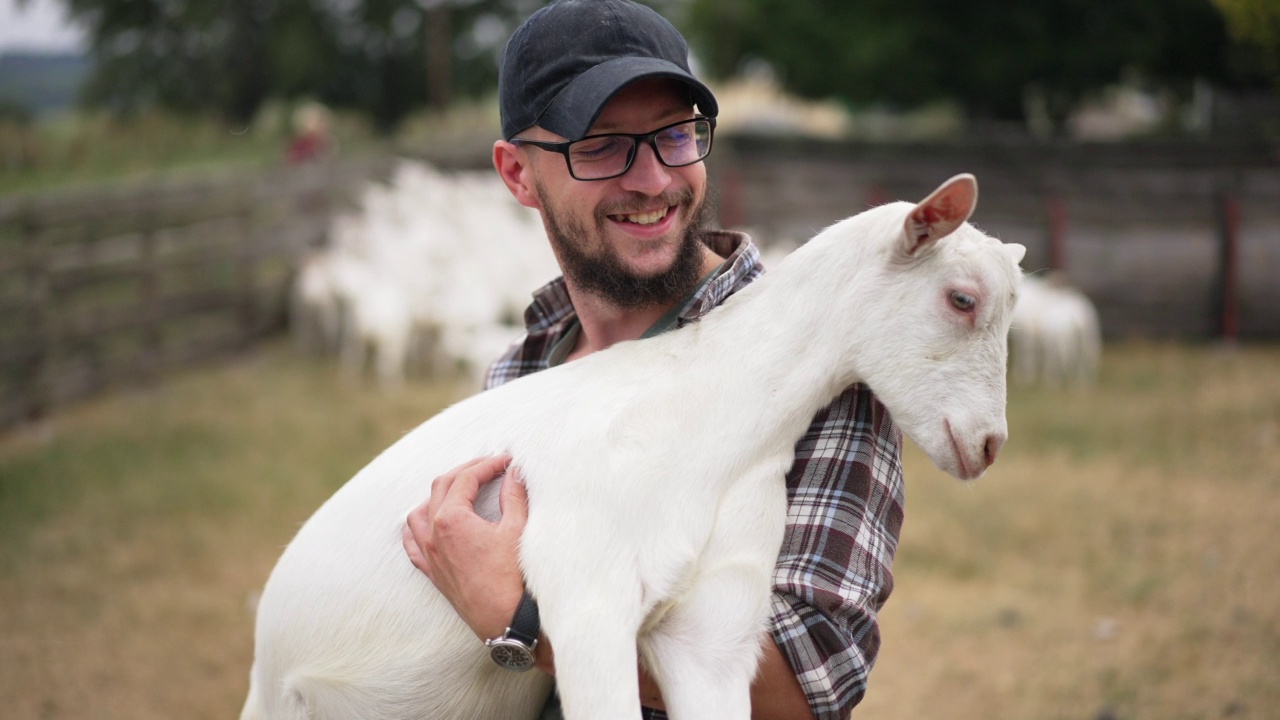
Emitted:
<point x="600" y="157"/>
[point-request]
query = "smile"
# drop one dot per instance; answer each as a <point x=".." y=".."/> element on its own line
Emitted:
<point x="643" y="218"/>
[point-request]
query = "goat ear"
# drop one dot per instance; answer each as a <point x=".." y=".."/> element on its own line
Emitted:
<point x="938" y="215"/>
<point x="1016" y="251"/>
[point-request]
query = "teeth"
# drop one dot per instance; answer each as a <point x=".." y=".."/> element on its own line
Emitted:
<point x="648" y="218"/>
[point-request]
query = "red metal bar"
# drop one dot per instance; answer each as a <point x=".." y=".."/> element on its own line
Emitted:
<point x="1230" y="283"/>
<point x="1056" y="210"/>
<point x="877" y="195"/>
<point x="733" y="212"/>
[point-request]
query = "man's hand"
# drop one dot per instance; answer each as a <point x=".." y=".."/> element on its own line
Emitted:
<point x="474" y="563"/>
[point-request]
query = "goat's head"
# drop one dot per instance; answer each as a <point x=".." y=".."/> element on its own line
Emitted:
<point x="933" y="345"/>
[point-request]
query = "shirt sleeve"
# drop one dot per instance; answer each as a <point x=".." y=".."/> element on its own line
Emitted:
<point x="513" y="363"/>
<point x="834" y="572"/>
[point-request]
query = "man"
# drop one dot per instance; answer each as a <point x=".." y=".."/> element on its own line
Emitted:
<point x="601" y="136"/>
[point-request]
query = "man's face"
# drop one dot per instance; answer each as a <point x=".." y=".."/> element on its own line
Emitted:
<point x="633" y="239"/>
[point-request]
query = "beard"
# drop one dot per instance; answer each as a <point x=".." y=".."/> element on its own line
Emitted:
<point x="606" y="276"/>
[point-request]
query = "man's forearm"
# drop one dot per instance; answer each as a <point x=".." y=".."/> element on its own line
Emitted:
<point x="775" y="692"/>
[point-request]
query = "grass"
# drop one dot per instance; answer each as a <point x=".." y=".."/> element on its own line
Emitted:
<point x="1119" y="561"/>
<point x="93" y="148"/>
<point x="135" y="530"/>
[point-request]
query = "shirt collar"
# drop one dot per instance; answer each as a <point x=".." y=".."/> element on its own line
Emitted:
<point x="551" y="305"/>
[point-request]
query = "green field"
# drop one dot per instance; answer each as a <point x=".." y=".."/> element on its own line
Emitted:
<point x="81" y="150"/>
<point x="1121" y="560"/>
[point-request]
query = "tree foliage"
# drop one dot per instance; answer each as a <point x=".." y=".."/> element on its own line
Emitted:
<point x="229" y="56"/>
<point x="391" y="57"/>
<point x="984" y="56"/>
<point x="1256" y="25"/>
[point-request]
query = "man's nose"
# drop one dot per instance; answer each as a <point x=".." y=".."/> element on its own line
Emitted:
<point x="647" y="174"/>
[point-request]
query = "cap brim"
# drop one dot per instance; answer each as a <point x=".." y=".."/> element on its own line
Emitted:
<point x="576" y="108"/>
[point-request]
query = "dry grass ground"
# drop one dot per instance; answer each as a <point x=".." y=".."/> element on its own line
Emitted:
<point x="1121" y="561"/>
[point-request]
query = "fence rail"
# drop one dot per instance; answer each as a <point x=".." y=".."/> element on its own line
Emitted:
<point x="1170" y="239"/>
<point x="109" y="287"/>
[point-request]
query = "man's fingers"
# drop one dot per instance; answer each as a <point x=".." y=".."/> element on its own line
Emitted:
<point x="478" y="461"/>
<point x="418" y="522"/>
<point x="472" y="473"/>
<point x="466" y="486"/>
<point x="411" y="548"/>
<point x="513" y="500"/>
<point x="440" y="486"/>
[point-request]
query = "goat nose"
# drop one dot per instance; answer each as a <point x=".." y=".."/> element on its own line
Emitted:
<point x="991" y="448"/>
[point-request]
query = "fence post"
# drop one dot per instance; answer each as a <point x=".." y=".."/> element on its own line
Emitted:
<point x="88" y="333"/>
<point x="1056" y="211"/>
<point x="39" y="370"/>
<point x="1227" y="301"/>
<point x="148" y="294"/>
<point x="733" y="207"/>
<point x="246" y="272"/>
<point x="877" y="195"/>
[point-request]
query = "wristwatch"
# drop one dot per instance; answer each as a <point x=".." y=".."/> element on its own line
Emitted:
<point x="514" y="649"/>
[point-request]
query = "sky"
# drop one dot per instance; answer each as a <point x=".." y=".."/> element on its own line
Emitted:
<point x="38" y="25"/>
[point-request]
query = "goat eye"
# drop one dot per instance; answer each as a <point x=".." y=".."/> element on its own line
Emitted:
<point x="962" y="301"/>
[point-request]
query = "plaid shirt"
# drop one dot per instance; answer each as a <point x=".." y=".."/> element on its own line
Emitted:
<point x="844" y="491"/>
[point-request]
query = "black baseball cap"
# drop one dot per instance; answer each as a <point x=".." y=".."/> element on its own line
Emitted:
<point x="564" y="63"/>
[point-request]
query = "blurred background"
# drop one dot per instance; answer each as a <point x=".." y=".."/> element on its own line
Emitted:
<point x="245" y="245"/>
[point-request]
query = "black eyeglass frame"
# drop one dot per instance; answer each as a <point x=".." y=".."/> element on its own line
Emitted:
<point x="650" y="137"/>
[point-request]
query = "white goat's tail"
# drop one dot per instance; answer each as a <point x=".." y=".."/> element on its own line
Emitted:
<point x="321" y="697"/>
<point x="292" y="704"/>
<point x="253" y="709"/>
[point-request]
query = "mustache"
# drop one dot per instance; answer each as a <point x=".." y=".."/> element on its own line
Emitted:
<point x="639" y="202"/>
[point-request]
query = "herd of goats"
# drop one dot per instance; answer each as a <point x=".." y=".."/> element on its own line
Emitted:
<point x="433" y="274"/>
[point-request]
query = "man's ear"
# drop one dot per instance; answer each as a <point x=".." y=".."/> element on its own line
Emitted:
<point x="513" y="168"/>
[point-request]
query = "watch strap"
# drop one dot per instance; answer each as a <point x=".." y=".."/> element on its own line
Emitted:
<point x="525" y="624"/>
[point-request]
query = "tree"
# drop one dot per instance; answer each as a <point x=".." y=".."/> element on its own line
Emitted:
<point x="1256" y="25"/>
<point x="984" y="56"/>
<point x="229" y="56"/>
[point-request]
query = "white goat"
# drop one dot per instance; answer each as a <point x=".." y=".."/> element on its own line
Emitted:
<point x="1055" y="335"/>
<point x="655" y="473"/>
<point x="381" y="324"/>
<point x="452" y="255"/>
<point x="315" y="309"/>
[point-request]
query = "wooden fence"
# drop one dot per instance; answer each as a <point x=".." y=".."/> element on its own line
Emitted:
<point x="1175" y="240"/>
<point x="1171" y="238"/>
<point x="110" y="287"/>
<point x="104" y="288"/>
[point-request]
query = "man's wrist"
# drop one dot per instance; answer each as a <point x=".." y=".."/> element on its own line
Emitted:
<point x="515" y="649"/>
<point x="489" y="618"/>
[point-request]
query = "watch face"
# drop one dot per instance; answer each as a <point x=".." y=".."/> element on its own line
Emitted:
<point x="511" y="655"/>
